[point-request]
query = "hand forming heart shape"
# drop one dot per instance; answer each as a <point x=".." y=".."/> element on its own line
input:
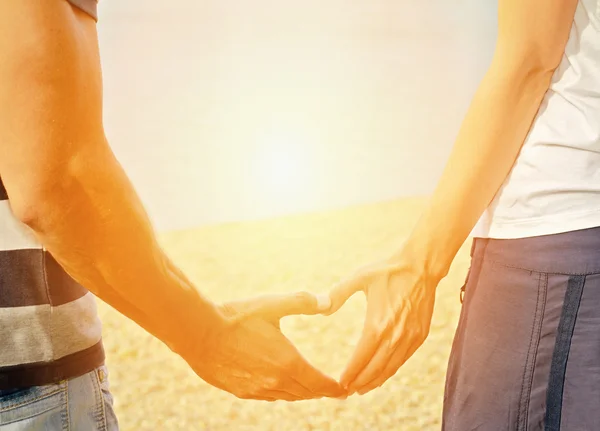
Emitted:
<point x="400" y="302"/>
<point x="253" y="359"/>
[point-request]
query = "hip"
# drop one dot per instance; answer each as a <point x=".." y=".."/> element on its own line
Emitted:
<point x="83" y="402"/>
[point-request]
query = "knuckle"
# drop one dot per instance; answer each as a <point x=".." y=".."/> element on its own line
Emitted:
<point x="229" y="310"/>
<point x="233" y="314"/>
<point x="421" y="333"/>
<point x="378" y="370"/>
<point x="390" y="324"/>
<point x="252" y="391"/>
<point x="272" y="383"/>
<point x="382" y="326"/>
<point x="304" y="298"/>
<point x="390" y="347"/>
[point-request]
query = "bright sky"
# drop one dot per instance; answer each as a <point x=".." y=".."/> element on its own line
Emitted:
<point x="225" y="111"/>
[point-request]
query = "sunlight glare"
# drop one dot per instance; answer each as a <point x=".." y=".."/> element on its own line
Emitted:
<point x="285" y="168"/>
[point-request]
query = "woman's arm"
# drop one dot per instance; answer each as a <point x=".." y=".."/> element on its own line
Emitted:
<point x="532" y="35"/>
<point x="401" y="290"/>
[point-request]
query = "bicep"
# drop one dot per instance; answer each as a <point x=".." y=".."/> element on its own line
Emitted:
<point x="50" y="92"/>
<point x="533" y="33"/>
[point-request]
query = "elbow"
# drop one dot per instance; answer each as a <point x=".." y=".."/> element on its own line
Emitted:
<point x="40" y="204"/>
<point x="36" y="215"/>
<point x="35" y="210"/>
<point x="25" y="210"/>
<point x="57" y="191"/>
<point x="527" y="65"/>
<point x="541" y="63"/>
<point x="526" y="78"/>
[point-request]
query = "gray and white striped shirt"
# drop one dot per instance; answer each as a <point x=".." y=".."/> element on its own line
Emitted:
<point x="49" y="326"/>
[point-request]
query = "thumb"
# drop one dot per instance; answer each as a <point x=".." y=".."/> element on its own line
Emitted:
<point x="343" y="291"/>
<point x="277" y="306"/>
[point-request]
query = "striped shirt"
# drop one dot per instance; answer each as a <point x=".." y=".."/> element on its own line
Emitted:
<point x="49" y="326"/>
<point x="88" y="6"/>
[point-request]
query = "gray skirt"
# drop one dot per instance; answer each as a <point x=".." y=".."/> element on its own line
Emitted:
<point x="526" y="355"/>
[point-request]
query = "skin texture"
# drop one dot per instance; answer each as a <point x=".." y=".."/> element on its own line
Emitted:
<point x="64" y="182"/>
<point x="400" y="291"/>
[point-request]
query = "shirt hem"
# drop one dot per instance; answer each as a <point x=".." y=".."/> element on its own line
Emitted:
<point x="539" y="226"/>
<point x="39" y="374"/>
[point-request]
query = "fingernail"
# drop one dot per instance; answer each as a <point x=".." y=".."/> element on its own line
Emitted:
<point x="323" y="302"/>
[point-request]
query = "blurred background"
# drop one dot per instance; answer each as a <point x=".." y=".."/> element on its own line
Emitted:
<point x="225" y="111"/>
<point x="277" y="145"/>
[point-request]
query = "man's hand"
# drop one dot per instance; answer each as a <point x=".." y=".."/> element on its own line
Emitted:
<point x="400" y="303"/>
<point x="252" y="359"/>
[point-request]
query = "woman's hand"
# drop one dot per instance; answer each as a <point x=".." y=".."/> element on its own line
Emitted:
<point x="400" y="302"/>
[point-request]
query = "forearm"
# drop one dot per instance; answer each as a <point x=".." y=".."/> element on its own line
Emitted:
<point x="95" y="226"/>
<point x="489" y="141"/>
<point x="64" y="181"/>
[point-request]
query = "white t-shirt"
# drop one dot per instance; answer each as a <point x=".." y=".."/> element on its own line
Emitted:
<point x="554" y="186"/>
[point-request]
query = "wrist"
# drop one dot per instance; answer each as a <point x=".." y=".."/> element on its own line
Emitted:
<point x="189" y="321"/>
<point x="198" y="325"/>
<point x="426" y="255"/>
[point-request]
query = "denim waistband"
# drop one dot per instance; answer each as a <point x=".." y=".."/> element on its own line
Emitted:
<point x="574" y="253"/>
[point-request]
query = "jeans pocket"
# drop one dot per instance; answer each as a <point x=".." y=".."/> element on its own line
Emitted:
<point x="30" y="402"/>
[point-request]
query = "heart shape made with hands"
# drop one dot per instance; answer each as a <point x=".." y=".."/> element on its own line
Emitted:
<point x="400" y="303"/>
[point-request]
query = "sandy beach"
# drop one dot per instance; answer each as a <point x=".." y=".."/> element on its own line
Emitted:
<point x="155" y="390"/>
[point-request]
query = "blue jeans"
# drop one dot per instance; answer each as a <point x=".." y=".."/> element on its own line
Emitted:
<point x="81" y="403"/>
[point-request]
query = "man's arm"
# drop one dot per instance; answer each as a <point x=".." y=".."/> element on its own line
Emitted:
<point x="532" y="35"/>
<point x="64" y="182"/>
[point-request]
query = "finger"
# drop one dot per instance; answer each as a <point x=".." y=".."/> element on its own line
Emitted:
<point x="281" y="396"/>
<point x="291" y="386"/>
<point x="283" y="388"/>
<point x="396" y="361"/>
<point x="297" y="368"/>
<point x="317" y="382"/>
<point x="296" y="303"/>
<point x="382" y="376"/>
<point x="378" y="382"/>
<point x="365" y="350"/>
<point x="270" y="396"/>
<point x="374" y="368"/>
<point x="275" y="307"/>
<point x="343" y="291"/>
<point x="328" y="388"/>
